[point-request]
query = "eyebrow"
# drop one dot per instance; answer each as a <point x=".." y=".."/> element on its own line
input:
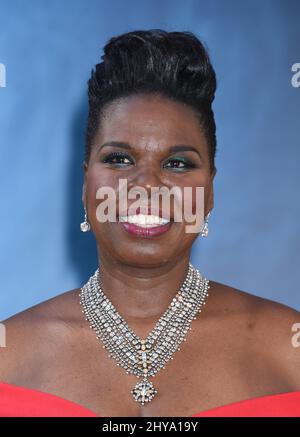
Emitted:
<point x="173" y="149"/>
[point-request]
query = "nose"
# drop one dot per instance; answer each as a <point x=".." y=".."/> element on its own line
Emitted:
<point x="142" y="179"/>
<point x="145" y="176"/>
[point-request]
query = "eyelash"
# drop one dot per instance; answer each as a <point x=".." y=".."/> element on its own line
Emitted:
<point x="121" y="155"/>
<point x="109" y="158"/>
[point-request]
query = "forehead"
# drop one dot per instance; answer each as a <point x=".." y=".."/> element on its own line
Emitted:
<point x="151" y="119"/>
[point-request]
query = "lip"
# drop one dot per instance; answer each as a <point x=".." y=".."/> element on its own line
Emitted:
<point x="146" y="210"/>
<point x="138" y="231"/>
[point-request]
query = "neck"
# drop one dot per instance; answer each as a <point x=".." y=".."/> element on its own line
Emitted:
<point x="142" y="293"/>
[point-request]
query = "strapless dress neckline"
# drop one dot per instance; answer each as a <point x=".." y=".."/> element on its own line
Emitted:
<point x="17" y="401"/>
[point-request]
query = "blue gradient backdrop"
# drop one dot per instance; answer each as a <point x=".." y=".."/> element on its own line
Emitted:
<point x="49" y="48"/>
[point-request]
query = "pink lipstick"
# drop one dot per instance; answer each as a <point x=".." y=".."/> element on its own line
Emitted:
<point x="140" y="231"/>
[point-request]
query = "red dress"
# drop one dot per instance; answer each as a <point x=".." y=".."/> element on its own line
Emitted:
<point x="18" y="401"/>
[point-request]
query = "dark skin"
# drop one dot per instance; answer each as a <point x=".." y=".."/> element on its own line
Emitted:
<point x="239" y="346"/>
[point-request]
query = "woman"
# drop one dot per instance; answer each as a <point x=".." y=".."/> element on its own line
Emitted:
<point x="151" y="124"/>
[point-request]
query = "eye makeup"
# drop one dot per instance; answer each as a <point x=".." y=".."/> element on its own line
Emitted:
<point x="117" y="158"/>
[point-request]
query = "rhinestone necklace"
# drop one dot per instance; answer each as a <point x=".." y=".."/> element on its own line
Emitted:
<point x="144" y="358"/>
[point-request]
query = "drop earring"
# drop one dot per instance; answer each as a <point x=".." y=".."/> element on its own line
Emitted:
<point x="85" y="226"/>
<point x="204" y="232"/>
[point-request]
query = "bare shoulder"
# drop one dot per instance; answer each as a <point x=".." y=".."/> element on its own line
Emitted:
<point x="272" y="329"/>
<point x="37" y="331"/>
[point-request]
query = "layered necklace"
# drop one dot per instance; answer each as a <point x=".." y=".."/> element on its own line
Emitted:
<point x="144" y="358"/>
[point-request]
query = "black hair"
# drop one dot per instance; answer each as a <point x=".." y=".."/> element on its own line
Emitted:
<point x="171" y="64"/>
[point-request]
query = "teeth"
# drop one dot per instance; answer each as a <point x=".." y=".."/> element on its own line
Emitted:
<point x="143" y="220"/>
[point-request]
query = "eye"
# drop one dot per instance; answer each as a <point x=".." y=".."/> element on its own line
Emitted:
<point x="179" y="163"/>
<point x="118" y="159"/>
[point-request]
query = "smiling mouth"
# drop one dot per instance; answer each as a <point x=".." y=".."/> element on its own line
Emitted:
<point x="146" y="221"/>
<point x="145" y="225"/>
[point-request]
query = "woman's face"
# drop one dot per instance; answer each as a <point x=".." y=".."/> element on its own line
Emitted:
<point x="150" y="126"/>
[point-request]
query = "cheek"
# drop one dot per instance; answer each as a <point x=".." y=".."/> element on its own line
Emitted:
<point x="196" y="192"/>
<point x="97" y="178"/>
<point x="199" y="196"/>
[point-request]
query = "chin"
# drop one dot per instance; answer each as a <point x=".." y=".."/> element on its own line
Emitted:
<point x="142" y="258"/>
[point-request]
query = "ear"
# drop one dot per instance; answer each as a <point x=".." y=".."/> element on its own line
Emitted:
<point x="85" y="168"/>
<point x="210" y="202"/>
